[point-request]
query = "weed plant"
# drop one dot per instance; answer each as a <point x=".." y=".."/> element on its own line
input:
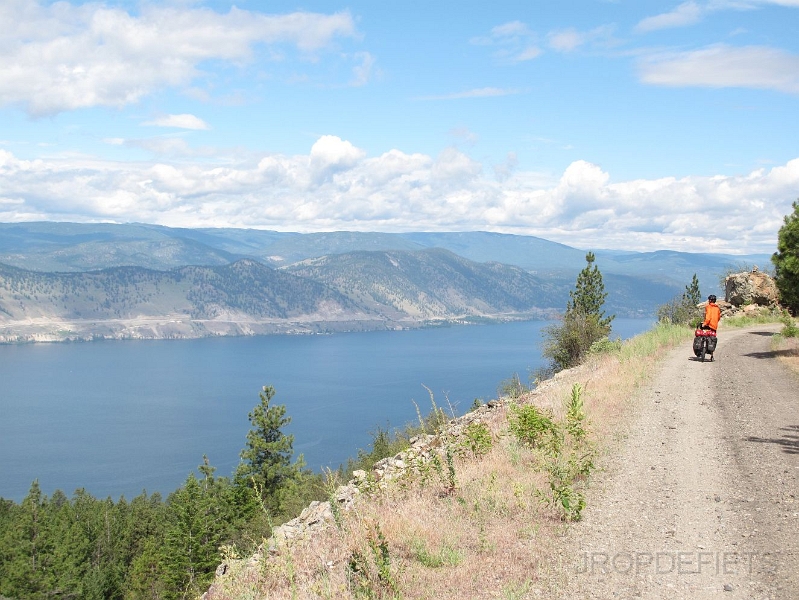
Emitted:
<point x="512" y="387"/>
<point x="562" y="449"/>
<point x="477" y="440"/>
<point x="605" y="346"/>
<point x="789" y="329"/>
<point x="446" y="556"/>
<point x="387" y="442"/>
<point x="371" y="572"/>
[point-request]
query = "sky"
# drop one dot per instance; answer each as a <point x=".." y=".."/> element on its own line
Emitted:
<point x="620" y="124"/>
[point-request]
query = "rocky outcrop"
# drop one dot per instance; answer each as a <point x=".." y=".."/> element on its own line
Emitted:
<point x="751" y="288"/>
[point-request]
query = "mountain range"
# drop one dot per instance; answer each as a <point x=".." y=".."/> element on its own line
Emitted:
<point x="82" y="281"/>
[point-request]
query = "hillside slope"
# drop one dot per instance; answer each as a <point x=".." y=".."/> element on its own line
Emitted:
<point x="345" y="292"/>
<point x="72" y="247"/>
<point x="240" y="298"/>
<point x="694" y="495"/>
<point x="46" y="246"/>
<point x="433" y="283"/>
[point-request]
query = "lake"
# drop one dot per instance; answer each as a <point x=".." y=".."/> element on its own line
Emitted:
<point x="119" y="417"/>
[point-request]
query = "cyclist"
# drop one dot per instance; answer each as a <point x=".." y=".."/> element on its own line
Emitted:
<point x="712" y="314"/>
<point x="705" y="338"/>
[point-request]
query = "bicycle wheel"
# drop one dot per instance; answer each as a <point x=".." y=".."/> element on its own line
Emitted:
<point x="703" y="351"/>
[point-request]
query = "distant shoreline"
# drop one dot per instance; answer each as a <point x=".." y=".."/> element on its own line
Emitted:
<point x="175" y="327"/>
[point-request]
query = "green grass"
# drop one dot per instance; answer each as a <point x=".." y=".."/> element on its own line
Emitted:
<point x="446" y="556"/>
<point x="650" y="342"/>
<point x="746" y="321"/>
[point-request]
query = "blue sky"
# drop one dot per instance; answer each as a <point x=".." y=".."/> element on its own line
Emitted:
<point x="622" y="124"/>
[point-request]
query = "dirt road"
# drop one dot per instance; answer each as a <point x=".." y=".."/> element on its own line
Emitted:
<point x="701" y="499"/>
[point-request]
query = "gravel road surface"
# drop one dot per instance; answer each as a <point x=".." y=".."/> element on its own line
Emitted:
<point x="701" y="497"/>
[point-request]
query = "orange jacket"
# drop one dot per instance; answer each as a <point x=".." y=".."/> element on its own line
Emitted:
<point x="712" y="315"/>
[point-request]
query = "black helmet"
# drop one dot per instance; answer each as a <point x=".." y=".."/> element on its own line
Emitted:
<point x="711" y="298"/>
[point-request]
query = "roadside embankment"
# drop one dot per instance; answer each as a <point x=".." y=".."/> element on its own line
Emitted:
<point x="473" y="512"/>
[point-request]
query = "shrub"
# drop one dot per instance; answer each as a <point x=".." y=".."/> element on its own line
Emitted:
<point x="535" y="428"/>
<point x="477" y="439"/>
<point x="605" y="346"/>
<point x="568" y="343"/>
<point x="565" y="454"/>
<point x="511" y="387"/>
<point x="789" y="327"/>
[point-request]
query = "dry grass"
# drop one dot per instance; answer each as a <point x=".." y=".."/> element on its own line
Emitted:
<point x="787" y="350"/>
<point x="488" y="536"/>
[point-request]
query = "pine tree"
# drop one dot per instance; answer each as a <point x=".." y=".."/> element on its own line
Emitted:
<point x="193" y="538"/>
<point x="692" y="295"/>
<point x="147" y="523"/>
<point x="786" y="261"/>
<point x="266" y="460"/>
<point x="589" y="294"/>
<point x="583" y="324"/>
<point x="27" y="548"/>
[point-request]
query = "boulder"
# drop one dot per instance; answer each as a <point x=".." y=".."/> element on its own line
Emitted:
<point x="727" y="309"/>
<point x="754" y="287"/>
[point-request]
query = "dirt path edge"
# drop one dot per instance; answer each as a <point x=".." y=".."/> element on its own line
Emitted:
<point x="700" y="498"/>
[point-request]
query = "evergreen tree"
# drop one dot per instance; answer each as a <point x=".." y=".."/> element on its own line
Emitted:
<point x="266" y="460"/>
<point x="190" y="549"/>
<point x="692" y="295"/>
<point x="71" y="546"/>
<point x="27" y="549"/>
<point x="682" y="310"/>
<point x="588" y="295"/>
<point x="583" y="324"/>
<point x="8" y="513"/>
<point x="786" y="260"/>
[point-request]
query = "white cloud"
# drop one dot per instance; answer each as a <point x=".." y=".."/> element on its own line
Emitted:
<point x="503" y="171"/>
<point x="724" y="66"/>
<point x="692" y="12"/>
<point x="183" y="121"/>
<point x="486" y="92"/>
<point x="687" y="13"/>
<point x="58" y="57"/>
<point x="337" y="186"/>
<point x="331" y="154"/>
<point x="566" y="40"/>
<point x="527" y="53"/>
<point x="514" y="42"/>
<point x="464" y="135"/>
<point x="511" y="29"/>
<point x="362" y="73"/>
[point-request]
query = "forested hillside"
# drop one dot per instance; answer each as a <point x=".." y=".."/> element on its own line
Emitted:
<point x="242" y="298"/>
<point x="46" y="246"/>
<point x="150" y="547"/>
<point x="246" y="288"/>
<point x="433" y="283"/>
<point x="84" y="281"/>
<point x="356" y="291"/>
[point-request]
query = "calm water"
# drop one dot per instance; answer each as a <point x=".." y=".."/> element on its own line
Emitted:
<point x="120" y="417"/>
